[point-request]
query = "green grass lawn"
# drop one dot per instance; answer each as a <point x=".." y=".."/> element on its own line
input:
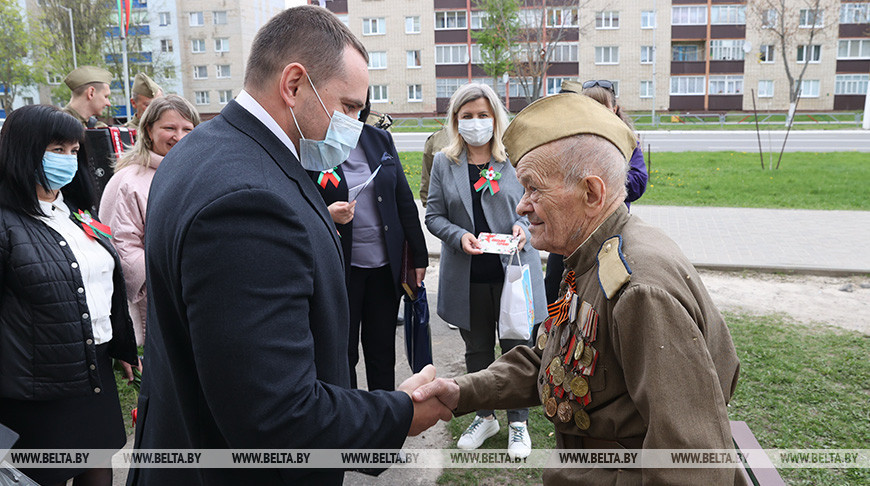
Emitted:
<point x="805" y="180"/>
<point x="800" y="387"/>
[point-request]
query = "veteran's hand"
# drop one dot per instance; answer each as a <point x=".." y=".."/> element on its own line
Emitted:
<point x="421" y="274"/>
<point x="470" y="244"/>
<point x="341" y="211"/>
<point x="426" y="412"/>
<point x="519" y="232"/>
<point x="444" y="389"/>
<point x="128" y="370"/>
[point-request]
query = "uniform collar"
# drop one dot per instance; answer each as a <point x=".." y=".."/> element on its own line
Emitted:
<point x="586" y="255"/>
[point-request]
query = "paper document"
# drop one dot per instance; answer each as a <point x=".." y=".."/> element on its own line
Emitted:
<point x="498" y="243"/>
<point x="354" y="191"/>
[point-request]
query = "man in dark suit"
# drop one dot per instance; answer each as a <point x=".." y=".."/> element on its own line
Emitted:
<point x="247" y="318"/>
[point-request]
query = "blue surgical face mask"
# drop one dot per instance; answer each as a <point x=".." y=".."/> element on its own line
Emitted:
<point x="59" y="169"/>
<point x="341" y="137"/>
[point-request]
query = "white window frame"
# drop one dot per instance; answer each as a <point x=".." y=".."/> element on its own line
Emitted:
<point x="478" y="18"/>
<point x="727" y="50"/>
<point x="414" y="59"/>
<point x="565" y="52"/>
<point x="851" y="84"/>
<point x="197" y="42"/>
<point x="476" y="56"/>
<point x="606" y="19"/>
<point x="217" y="15"/>
<point x="196" y="19"/>
<point x="688" y="86"/>
<point x="810" y="83"/>
<point x="445" y="87"/>
<point x="344" y="18"/>
<point x="201" y="98"/>
<point x="608" y="59"/>
<point x="377" y="60"/>
<point x="224" y="71"/>
<point x="443" y="19"/>
<point x="765" y="88"/>
<point x="565" y="17"/>
<point x="815" y="53"/>
<point x="645" y="17"/>
<point x="200" y="72"/>
<point x="458" y="54"/>
<point x="730" y="85"/>
<point x="863" y="48"/>
<point x="728" y="15"/>
<point x="810" y="18"/>
<point x="769" y="18"/>
<point x="374" y="26"/>
<point x="165" y="18"/>
<point x="767" y="54"/>
<point x="379" y="93"/>
<point x="166" y="45"/>
<point x="412" y="24"/>
<point x="530" y="18"/>
<point x="225" y="96"/>
<point x="53" y="78"/>
<point x="854" y="13"/>
<point x="554" y="84"/>
<point x="647" y="88"/>
<point x="222" y="44"/>
<point x="415" y="93"/>
<point x="689" y="15"/>
<point x="647" y="54"/>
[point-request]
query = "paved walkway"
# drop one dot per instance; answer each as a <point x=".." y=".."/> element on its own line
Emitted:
<point x="782" y="240"/>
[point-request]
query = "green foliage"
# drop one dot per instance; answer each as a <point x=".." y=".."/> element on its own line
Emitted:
<point x="412" y="163"/>
<point x="496" y="37"/>
<point x="15" y="47"/>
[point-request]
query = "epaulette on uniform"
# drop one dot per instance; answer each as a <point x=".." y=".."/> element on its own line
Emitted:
<point x="613" y="270"/>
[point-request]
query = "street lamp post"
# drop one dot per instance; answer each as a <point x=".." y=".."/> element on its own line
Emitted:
<point x="72" y="34"/>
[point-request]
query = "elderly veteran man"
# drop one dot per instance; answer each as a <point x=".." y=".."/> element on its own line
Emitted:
<point x="90" y="94"/>
<point x="634" y="355"/>
<point x="144" y="92"/>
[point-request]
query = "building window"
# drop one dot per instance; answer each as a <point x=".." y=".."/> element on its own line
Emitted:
<point x="378" y="60"/>
<point x="169" y="72"/>
<point x="564" y="52"/>
<point x="554" y="84"/>
<point x="225" y="96"/>
<point x="855" y="13"/>
<point x="769" y="18"/>
<point x="196" y="19"/>
<point x="647" y="54"/>
<point x="530" y="18"/>
<point x="809" y="88"/>
<point x="200" y="72"/>
<point x="811" y="53"/>
<point x="452" y="19"/>
<point x="165" y="18"/>
<point x="379" y="93"/>
<point x="607" y="55"/>
<point x="726" y="85"/>
<point x="197" y="45"/>
<point x="412" y="25"/>
<point x="812" y="18"/>
<point x="165" y="45"/>
<point x="201" y="97"/>
<point x="687" y="53"/>
<point x="854" y="48"/>
<point x="415" y="92"/>
<point x="767" y="54"/>
<point x="221" y="44"/>
<point x="478" y="18"/>
<point x="567" y="17"/>
<point x="413" y="59"/>
<point x="374" y="26"/>
<point x="28" y="100"/>
<point x="344" y="19"/>
<point x="646" y="89"/>
<point x="648" y="19"/>
<point x="765" y="88"/>
<point x="223" y="70"/>
<point x="54" y="79"/>
<point x="851" y="84"/>
<point x="728" y="15"/>
<point x="695" y="15"/>
<point x="608" y="19"/>
<point x="727" y="50"/>
<point x="445" y="87"/>
<point x="687" y="85"/>
<point x="451" y="54"/>
<point x="220" y="17"/>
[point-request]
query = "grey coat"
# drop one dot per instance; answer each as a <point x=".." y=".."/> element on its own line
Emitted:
<point x="449" y="216"/>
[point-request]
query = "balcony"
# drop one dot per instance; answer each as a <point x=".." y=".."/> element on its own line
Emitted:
<point x="688" y="58"/>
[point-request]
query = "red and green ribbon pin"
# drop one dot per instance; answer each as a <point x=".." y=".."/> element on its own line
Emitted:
<point x="488" y="178"/>
<point x="328" y="176"/>
<point x="91" y="226"/>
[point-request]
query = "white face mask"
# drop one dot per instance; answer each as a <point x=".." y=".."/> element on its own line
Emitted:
<point x="476" y="131"/>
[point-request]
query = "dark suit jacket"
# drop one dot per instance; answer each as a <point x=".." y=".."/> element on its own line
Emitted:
<point x="247" y="313"/>
<point x="395" y="201"/>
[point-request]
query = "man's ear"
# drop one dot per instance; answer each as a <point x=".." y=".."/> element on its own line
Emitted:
<point x="593" y="192"/>
<point x="292" y="78"/>
<point x="90" y="92"/>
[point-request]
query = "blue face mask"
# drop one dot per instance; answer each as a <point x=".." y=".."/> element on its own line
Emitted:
<point x="341" y="137"/>
<point x="59" y="169"/>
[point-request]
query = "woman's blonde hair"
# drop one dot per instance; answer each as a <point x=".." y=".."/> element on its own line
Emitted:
<point x="140" y="154"/>
<point x="467" y="93"/>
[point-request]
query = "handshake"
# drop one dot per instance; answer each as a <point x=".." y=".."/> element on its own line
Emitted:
<point x="433" y="398"/>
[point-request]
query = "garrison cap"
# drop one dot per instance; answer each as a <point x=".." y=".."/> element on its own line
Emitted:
<point x="145" y="86"/>
<point x="87" y="74"/>
<point x="564" y="115"/>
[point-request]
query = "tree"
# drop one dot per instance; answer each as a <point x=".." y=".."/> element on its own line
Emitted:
<point x="16" y="70"/>
<point x="499" y="29"/>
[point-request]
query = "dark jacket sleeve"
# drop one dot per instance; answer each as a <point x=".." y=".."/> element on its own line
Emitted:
<point x="265" y="378"/>
<point x="637" y="178"/>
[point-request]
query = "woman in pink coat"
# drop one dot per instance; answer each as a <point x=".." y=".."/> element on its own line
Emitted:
<point x="166" y="121"/>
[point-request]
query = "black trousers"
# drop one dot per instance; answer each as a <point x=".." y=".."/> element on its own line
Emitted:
<point x="373" y="310"/>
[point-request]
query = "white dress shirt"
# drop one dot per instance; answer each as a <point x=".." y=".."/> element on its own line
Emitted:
<point x="255" y="108"/>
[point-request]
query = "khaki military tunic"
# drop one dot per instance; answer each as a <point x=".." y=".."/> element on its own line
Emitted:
<point x="133" y="122"/>
<point x="70" y="111"/>
<point x="665" y="366"/>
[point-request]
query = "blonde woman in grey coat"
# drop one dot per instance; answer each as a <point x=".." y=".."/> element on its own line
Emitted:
<point x="463" y="203"/>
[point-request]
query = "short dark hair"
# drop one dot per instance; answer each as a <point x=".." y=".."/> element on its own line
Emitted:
<point x="309" y="35"/>
<point x="26" y="134"/>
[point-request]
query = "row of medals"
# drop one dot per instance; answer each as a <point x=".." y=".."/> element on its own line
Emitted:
<point x="568" y="385"/>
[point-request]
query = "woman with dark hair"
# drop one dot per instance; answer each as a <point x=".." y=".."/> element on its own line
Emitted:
<point x="63" y="308"/>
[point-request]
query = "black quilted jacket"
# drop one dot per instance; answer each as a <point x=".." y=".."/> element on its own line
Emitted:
<point x="47" y="346"/>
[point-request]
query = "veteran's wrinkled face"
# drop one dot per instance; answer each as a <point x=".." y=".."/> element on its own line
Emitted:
<point x="554" y="209"/>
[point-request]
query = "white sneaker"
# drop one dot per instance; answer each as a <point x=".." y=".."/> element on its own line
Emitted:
<point x="519" y="442"/>
<point x="479" y="430"/>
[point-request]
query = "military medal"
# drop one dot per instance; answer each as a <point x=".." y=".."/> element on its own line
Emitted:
<point x="581" y="419"/>
<point x="557" y="372"/>
<point x="578" y="350"/>
<point x="579" y="387"/>
<point x="542" y="340"/>
<point x="550" y="407"/>
<point x="564" y="411"/>
<point x="545" y="394"/>
<point x="586" y="357"/>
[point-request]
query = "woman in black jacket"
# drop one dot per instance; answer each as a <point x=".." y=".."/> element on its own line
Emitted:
<point x="63" y="308"/>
